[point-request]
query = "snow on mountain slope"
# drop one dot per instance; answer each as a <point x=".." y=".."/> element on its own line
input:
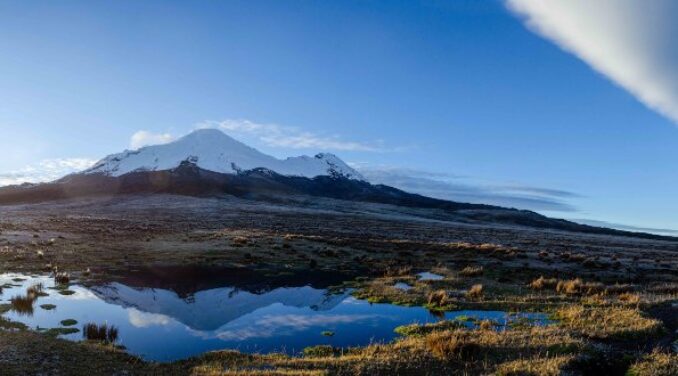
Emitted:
<point x="213" y="150"/>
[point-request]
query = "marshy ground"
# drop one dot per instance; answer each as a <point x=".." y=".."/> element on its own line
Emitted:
<point x="613" y="300"/>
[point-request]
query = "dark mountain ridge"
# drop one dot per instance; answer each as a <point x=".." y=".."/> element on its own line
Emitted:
<point x="265" y="184"/>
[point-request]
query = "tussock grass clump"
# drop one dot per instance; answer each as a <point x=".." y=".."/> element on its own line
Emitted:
<point x="546" y="366"/>
<point x="629" y="298"/>
<point x="486" y="325"/>
<point x="664" y="288"/>
<point x="239" y="240"/>
<point x="319" y="351"/>
<point x="578" y="287"/>
<point x="439" y="299"/>
<point x="23" y="305"/>
<point x="36" y="291"/>
<point x="607" y="322"/>
<point x="543" y="283"/>
<point x="472" y="271"/>
<point x="498" y="345"/>
<point x="62" y="278"/>
<point x="452" y="345"/>
<point x="475" y="292"/>
<point x="420" y="330"/>
<point x="619" y="289"/>
<point x="397" y="271"/>
<point x="655" y="364"/>
<point x="101" y="333"/>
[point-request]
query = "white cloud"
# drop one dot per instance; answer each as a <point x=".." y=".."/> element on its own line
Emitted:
<point x="632" y="42"/>
<point x="145" y="138"/>
<point x="145" y="319"/>
<point x="289" y="137"/>
<point x="45" y="170"/>
<point x="288" y="324"/>
<point x="465" y="189"/>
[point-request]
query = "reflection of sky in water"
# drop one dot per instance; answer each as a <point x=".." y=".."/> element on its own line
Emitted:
<point x="428" y="276"/>
<point x="159" y="325"/>
<point x="402" y="286"/>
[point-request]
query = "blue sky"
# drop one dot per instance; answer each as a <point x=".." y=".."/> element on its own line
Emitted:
<point x="480" y="100"/>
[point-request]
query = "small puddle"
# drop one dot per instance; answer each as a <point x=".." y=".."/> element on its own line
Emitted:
<point x="428" y="276"/>
<point x="162" y="325"/>
<point x="402" y="286"/>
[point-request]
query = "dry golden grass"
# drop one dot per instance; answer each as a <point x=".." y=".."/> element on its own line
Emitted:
<point x="578" y="287"/>
<point x="543" y="283"/>
<point x="607" y="322"/>
<point x="383" y="290"/>
<point x="239" y="240"/>
<point x="547" y="366"/>
<point x="629" y="298"/>
<point x="398" y="271"/>
<point x="472" y="271"/>
<point x="655" y="364"/>
<point x="442" y="351"/>
<point x="486" y="325"/>
<point x="475" y="292"/>
<point x="439" y="299"/>
<point x="448" y="345"/>
<point x="216" y="370"/>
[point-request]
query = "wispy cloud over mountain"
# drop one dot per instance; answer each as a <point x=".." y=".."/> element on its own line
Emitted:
<point x="289" y="137"/>
<point x="45" y="170"/>
<point x="631" y="42"/>
<point x="146" y="138"/>
<point x="464" y="189"/>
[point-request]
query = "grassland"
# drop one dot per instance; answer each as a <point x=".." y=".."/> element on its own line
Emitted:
<point x="612" y="299"/>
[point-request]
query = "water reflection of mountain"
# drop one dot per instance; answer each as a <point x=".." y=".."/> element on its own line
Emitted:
<point x="187" y="280"/>
<point x="211" y="309"/>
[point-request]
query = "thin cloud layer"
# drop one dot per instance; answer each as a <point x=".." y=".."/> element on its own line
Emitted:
<point x="45" y="170"/>
<point x="145" y="138"/>
<point x="288" y="137"/>
<point x="618" y="226"/>
<point x="461" y="189"/>
<point x="632" y="42"/>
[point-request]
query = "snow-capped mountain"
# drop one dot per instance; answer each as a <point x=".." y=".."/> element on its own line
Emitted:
<point x="213" y="150"/>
